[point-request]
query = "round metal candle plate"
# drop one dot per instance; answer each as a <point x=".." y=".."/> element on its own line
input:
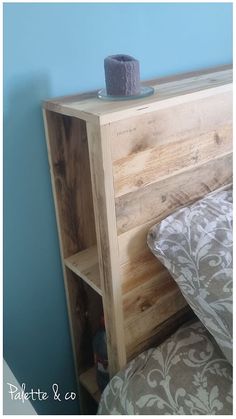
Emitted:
<point x="144" y="92"/>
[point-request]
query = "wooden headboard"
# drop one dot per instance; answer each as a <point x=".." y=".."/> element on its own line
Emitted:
<point x="147" y="158"/>
<point x="172" y="154"/>
<point x="163" y="159"/>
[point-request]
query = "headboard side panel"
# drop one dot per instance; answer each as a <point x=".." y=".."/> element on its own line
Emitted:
<point x="163" y="160"/>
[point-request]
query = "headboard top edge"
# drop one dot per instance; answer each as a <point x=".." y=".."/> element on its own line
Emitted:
<point x="88" y="107"/>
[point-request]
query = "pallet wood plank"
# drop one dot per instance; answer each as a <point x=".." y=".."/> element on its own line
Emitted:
<point x="133" y="242"/>
<point x="132" y="135"/>
<point x="146" y="167"/>
<point x="70" y="171"/>
<point x="161" y="198"/>
<point x="85" y="265"/>
<point x="139" y="270"/>
<point x="107" y="244"/>
<point x="73" y="289"/>
<point x="89" y="381"/>
<point x="142" y="327"/>
<point x="158" y="333"/>
<point x="91" y="109"/>
<point x="149" y="296"/>
<point x="63" y="160"/>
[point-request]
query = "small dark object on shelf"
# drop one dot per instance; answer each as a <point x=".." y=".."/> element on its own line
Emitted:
<point x="100" y="356"/>
<point x="122" y="75"/>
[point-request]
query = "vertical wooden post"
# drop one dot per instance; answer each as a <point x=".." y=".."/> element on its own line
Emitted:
<point x="70" y="290"/>
<point x="108" y="253"/>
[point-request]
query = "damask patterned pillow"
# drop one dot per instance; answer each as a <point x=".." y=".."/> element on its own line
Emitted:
<point x="185" y="375"/>
<point x="195" y="245"/>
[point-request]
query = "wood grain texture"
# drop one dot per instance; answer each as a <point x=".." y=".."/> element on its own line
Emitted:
<point x="85" y="265"/>
<point x="66" y="163"/>
<point x="50" y="104"/>
<point x="183" y="156"/>
<point x="142" y="327"/>
<point x="142" y="268"/>
<point x="78" y="307"/>
<point x="133" y="242"/>
<point x="88" y="314"/>
<point x="168" y="91"/>
<point x="120" y="168"/>
<point x="88" y="380"/>
<point x="85" y="310"/>
<point x="108" y="257"/>
<point x="158" y="200"/>
<point x="186" y="120"/>
<point x="151" y="296"/>
<point x="68" y="150"/>
<point x="146" y="167"/>
<point x="71" y="286"/>
<point x="158" y="333"/>
<point x="94" y="311"/>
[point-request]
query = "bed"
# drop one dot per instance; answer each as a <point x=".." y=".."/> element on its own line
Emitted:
<point x="147" y="159"/>
<point x="191" y="371"/>
<point x="180" y="219"/>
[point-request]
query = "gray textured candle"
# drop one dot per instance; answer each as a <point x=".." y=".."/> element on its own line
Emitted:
<point x="122" y="75"/>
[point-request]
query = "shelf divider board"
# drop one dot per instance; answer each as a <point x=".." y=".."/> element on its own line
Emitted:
<point x="85" y="265"/>
<point x="88" y="380"/>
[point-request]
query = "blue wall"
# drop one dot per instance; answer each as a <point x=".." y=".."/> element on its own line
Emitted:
<point x="57" y="49"/>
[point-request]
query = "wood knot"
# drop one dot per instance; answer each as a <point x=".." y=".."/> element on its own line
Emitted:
<point x="217" y="139"/>
<point x="60" y="167"/>
<point x="139" y="147"/>
<point x="196" y="157"/>
<point x="139" y="182"/>
<point x="143" y="303"/>
<point x="144" y="306"/>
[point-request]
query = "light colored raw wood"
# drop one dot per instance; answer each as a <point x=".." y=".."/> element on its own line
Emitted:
<point x="171" y="91"/>
<point x="133" y="242"/>
<point x="151" y="183"/>
<point x="163" y="197"/>
<point x="131" y="163"/>
<point x="139" y="270"/>
<point x="146" y="285"/>
<point x="65" y="176"/>
<point x="88" y="380"/>
<point x="148" y="296"/>
<point x="142" y="325"/>
<point x="69" y="285"/>
<point x="155" y="334"/>
<point x="85" y="265"/>
<point x="59" y="104"/>
<point x="186" y="120"/>
<point x="157" y="163"/>
<point x="70" y="171"/>
<point x="104" y="207"/>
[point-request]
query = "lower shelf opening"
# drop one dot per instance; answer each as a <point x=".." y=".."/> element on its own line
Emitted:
<point x="88" y="380"/>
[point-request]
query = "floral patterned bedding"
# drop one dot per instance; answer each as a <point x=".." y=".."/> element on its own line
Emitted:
<point x="186" y="375"/>
<point x="190" y="373"/>
<point x="195" y="244"/>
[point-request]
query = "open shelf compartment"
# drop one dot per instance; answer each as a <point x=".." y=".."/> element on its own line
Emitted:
<point x="88" y="380"/>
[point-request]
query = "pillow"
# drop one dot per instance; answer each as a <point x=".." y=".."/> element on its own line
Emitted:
<point x="195" y="245"/>
<point x="185" y="375"/>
